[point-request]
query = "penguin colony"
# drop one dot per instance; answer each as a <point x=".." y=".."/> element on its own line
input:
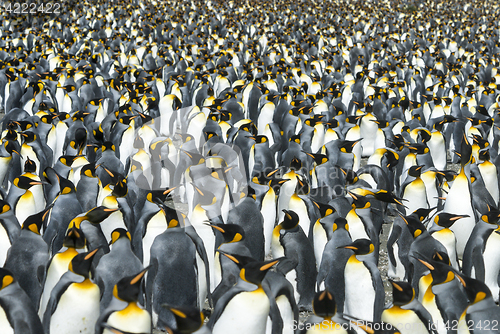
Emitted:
<point x="162" y="158"/>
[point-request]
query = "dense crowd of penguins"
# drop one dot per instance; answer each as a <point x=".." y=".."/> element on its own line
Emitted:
<point x="163" y="162"/>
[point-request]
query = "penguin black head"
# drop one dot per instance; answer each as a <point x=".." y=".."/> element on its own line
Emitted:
<point x="347" y="146"/>
<point x="422" y="213"/>
<point x="445" y="219"/>
<point x="414" y="225"/>
<point x="290" y="221"/>
<point x="66" y="186"/>
<point x="119" y="233"/>
<point x="107" y="145"/>
<point x="441" y="257"/>
<point x="6" y="278"/>
<point x="204" y="197"/>
<point x="295" y="164"/>
<point x="324" y="305"/>
<point x="230" y="232"/>
<point x="29" y="166"/>
<point x="28" y="136"/>
<point x="4" y="206"/>
<point x="340" y="223"/>
<point x="255" y="271"/>
<point x="318" y="158"/>
<point x="387" y="197"/>
<point x="88" y="170"/>
<point x="324" y="209"/>
<point x="302" y="187"/>
<point x="484" y="155"/>
<point x="74" y="238"/>
<point x="120" y="188"/>
<point x="25" y="182"/>
<point x="82" y="263"/>
<point x="360" y="247"/>
<point x="440" y="272"/>
<point x="415" y="171"/>
<point x="476" y="290"/>
<point x="402" y="292"/>
<point x="465" y="152"/>
<point x="418" y="148"/>
<point x="128" y="288"/>
<point x="350" y="176"/>
<point x="35" y="222"/>
<point x="188" y="319"/>
<point x="492" y="216"/>
<point x="360" y="202"/>
<point x="98" y="214"/>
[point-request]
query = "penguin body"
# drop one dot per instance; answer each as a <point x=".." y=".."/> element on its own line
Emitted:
<point x="290" y="240"/>
<point x="28" y="256"/>
<point x="17" y="313"/>
<point x="74" y="302"/>
<point x="115" y="265"/>
<point x="172" y="281"/>
<point x="364" y="292"/>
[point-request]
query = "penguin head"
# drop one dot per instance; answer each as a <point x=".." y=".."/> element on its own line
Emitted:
<point x="340" y="223"/>
<point x="255" y="271"/>
<point x="74" y="238"/>
<point x="188" y="319"/>
<point x="442" y="257"/>
<point x="318" y="158"/>
<point x="128" y="288"/>
<point x="445" y="219"/>
<point x="465" y="152"/>
<point x="476" y="290"/>
<point x="302" y="187"/>
<point x="295" y="164"/>
<point x="65" y="186"/>
<point x="290" y="221"/>
<point x="440" y="272"/>
<point x="204" y="197"/>
<point x="28" y="136"/>
<point x="324" y="209"/>
<point x="346" y="146"/>
<point x="25" y="182"/>
<point x="360" y="202"/>
<point x="415" y="171"/>
<point x="422" y="213"/>
<point x="4" y="206"/>
<point x="88" y="170"/>
<point x="492" y="216"/>
<point x="414" y="225"/>
<point x="350" y="176"/>
<point x="402" y="292"/>
<point x="360" y="247"/>
<point x="35" y="222"/>
<point x="107" y="146"/>
<point x="119" y="233"/>
<point x="120" y="188"/>
<point x="230" y="232"/>
<point x="98" y="214"/>
<point x="29" y="166"/>
<point x="6" y="278"/>
<point x="81" y="263"/>
<point x="324" y="305"/>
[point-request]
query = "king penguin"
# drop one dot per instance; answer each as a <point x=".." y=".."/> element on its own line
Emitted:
<point x="289" y="240"/>
<point x="74" y="302"/>
<point x="28" y="256"/>
<point x="406" y="310"/>
<point x="131" y="316"/>
<point x="17" y="313"/>
<point x="246" y="305"/>
<point x="364" y="290"/>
